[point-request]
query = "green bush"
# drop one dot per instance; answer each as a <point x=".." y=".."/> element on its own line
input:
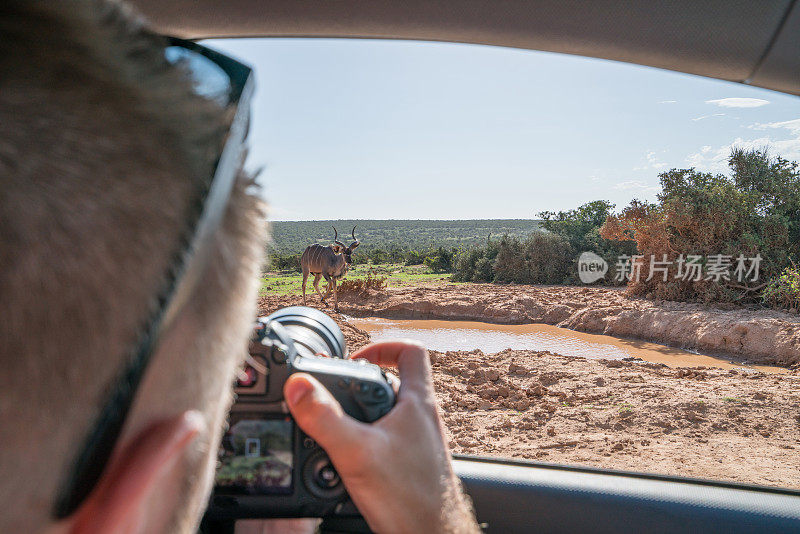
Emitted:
<point x="579" y="226"/>
<point x="284" y="262"/>
<point x="542" y="258"/>
<point x="484" y="269"/>
<point x="784" y="291"/>
<point x="475" y="264"/>
<point x="414" y="257"/>
<point x="440" y="261"/>
<point x="378" y="255"/>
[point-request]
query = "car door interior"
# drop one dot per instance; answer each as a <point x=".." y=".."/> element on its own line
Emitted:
<point x="516" y="496"/>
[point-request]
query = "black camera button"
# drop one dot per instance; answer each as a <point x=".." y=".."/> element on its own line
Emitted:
<point x="379" y="393"/>
<point x="321" y="478"/>
<point x="309" y="443"/>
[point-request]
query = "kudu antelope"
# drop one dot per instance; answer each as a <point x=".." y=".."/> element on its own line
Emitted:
<point x="330" y="262"/>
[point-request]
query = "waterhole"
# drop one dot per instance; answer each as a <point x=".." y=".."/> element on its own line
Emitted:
<point x="469" y="335"/>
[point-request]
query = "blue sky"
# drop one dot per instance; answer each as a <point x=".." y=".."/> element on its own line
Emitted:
<point x="375" y="129"/>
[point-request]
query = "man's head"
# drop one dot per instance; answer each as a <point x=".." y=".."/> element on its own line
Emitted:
<point x="101" y="149"/>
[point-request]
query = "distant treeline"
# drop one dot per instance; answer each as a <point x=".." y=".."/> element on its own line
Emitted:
<point x="392" y="241"/>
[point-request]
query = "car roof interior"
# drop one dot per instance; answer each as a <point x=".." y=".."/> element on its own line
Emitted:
<point x="756" y="43"/>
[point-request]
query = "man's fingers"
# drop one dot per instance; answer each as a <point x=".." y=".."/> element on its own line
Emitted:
<point x="394" y="381"/>
<point x="320" y="415"/>
<point x="410" y="358"/>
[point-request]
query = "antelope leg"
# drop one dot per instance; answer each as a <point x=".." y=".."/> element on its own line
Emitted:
<point x="316" y="286"/>
<point x="335" y="296"/>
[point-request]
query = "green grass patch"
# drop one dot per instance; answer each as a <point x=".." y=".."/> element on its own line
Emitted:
<point x="397" y="275"/>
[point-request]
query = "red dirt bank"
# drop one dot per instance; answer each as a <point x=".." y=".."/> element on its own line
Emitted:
<point x="757" y="336"/>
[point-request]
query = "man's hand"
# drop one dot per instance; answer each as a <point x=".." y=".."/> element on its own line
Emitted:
<point x="397" y="470"/>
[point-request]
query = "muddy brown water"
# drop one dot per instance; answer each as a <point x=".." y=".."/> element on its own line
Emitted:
<point x="468" y="335"/>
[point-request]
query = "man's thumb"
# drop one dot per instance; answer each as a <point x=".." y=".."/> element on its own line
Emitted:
<point x="320" y="415"/>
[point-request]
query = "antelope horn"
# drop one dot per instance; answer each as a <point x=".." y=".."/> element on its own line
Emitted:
<point x="335" y="238"/>
<point x="353" y="233"/>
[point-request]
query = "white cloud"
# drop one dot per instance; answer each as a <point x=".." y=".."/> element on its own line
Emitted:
<point x="632" y="185"/>
<point x="652" y="162"/>
<point x="715" y="160"/>
<point x="793" y="126"/>
<point x="710" y="159"/>
<point x="739" y="102"/>
<point x="668" y="102"/>
<point x="708" y="116"/>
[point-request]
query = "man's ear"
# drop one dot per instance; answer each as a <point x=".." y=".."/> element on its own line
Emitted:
<point x="116" y="504"/>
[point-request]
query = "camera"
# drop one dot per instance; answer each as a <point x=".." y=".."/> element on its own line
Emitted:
<point x="267" y="466"/>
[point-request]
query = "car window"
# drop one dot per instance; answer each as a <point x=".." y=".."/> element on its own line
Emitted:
<point x="604" y="259"/>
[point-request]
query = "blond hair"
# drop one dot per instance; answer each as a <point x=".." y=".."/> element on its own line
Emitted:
<point x="101" y="147"/>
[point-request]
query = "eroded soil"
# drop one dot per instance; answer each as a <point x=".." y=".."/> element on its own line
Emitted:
<point x="702" y="422"/>
<point x="759" y="336"/>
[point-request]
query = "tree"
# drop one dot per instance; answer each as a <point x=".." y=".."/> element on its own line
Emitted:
<point x="441" y="261"/>
<point x="579" y="226"/>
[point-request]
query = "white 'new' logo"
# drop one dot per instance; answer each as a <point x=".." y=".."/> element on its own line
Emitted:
<point x="591" y="267"/>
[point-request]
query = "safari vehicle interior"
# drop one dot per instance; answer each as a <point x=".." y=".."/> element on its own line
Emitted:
<point x="756" y="43"/>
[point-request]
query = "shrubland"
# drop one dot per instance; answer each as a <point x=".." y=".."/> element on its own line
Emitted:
<point x="754" y="212"/>
<point x="544" y="257"/>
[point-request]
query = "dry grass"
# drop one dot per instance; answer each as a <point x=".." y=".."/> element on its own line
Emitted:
<point x="362" y="285"/>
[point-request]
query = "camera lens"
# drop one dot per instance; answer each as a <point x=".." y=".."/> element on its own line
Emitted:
<point x="312" y="331"/>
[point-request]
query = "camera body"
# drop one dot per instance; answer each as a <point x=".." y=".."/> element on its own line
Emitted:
<point x="267" y="466"/>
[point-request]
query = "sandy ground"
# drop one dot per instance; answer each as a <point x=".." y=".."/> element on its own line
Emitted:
<point x="701" y="422"/>
<point x="695" y="422"/>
